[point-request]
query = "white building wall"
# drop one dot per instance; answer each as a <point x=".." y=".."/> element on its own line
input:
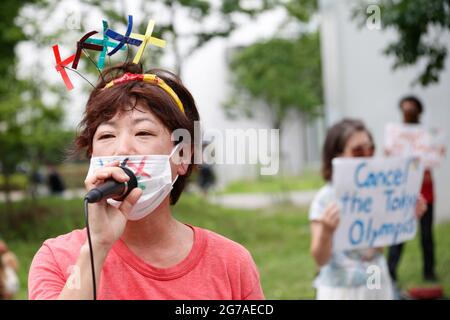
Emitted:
<point x="360" y="83"/>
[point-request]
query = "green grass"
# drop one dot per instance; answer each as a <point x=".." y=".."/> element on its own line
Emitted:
<point x="410" y="268"/>
<point x="277" y="237"/>
<point x="18" y="182"/>
<point x="310" y="180"/>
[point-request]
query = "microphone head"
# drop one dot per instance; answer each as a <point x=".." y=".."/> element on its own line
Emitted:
<point x="131" y="184"/>
<point x="113" y="188"/>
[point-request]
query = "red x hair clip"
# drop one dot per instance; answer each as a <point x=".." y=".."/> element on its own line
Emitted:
<point x="60" y="66"/>
<point x="82" y="44"/>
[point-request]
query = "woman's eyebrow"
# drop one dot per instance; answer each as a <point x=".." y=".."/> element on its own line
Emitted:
<point x="108" y="123"/>
<point x="138" y="120"/>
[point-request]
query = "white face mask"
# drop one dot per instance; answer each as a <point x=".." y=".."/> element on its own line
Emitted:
<point x="154" y="177"/>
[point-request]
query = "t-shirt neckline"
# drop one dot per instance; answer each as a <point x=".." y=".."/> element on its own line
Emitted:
<point x="170" y="273"/>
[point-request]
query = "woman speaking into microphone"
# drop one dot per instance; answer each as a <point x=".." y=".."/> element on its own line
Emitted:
<point x="134" y="248"/>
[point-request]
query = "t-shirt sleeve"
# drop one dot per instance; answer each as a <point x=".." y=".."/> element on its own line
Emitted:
<point x="46" y="279"/>
<point x="322" y="199"/>
<point x="251" y="283"/>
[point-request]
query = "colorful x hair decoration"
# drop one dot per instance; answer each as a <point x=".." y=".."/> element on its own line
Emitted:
<point x="60" y="66"/>
<point x="147" y="38"/>
<point x="81" y="44"/>
<point x="105" y="43"/>
<point x="123" y="39"/>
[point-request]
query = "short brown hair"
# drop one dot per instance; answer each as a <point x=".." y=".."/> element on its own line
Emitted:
<point x="103" y="105"/>
<point x="335" y="141"/>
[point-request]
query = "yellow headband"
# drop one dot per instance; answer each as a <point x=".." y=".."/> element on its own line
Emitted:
<point x="152" y="78"/>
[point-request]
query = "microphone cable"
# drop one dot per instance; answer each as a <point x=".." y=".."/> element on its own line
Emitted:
<point x="88" y="231"/>
<point x="91" y="251"/>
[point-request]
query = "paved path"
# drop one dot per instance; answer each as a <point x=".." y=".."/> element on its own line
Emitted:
<point x="20" y="195"/>
<point x="262" y="200"/>
<point x="241" y="201"/>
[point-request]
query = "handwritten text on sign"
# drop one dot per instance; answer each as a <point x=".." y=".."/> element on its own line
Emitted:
<point x="377" y="199"/>
<point x="417" y="141"/>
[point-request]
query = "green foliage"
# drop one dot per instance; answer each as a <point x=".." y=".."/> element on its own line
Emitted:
<point x="419" y="24"/>
<point x="301" y="9"/>
<point x="309" y="180"/>
<point x="17" y="182"/>
<point x="284" y="73"/>
<point x="11" y="142"/>
<point x="30" y="130"/>
<point x="10" y="34"/>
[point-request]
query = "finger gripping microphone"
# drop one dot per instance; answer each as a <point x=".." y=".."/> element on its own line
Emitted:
<point x="112" y="188"/>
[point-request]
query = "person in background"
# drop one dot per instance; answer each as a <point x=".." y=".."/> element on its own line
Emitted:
<point x="55" y="182"/>
<point x="9" y="266"/>
<point x="206" y="175"/>
<point x="412" y="108"/>
<point x="343" y="274"/>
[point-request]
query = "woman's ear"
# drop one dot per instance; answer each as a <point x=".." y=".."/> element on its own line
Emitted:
<point x="182" y="169"/>
<point x="183" y="159"/>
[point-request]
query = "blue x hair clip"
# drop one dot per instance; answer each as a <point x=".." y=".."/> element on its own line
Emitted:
<point x="123" y="39"/>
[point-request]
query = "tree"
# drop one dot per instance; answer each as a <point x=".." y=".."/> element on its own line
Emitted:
<point x="419" y="24"/>
<point x="284" y="73"/>
<point x="30" y="130"/>
<point x="11" y="142"/>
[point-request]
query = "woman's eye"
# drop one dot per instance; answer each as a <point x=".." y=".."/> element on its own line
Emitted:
<point x="105" y="136"/>
<point x="144" y="133"/>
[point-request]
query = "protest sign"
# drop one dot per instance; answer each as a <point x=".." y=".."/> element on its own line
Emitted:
<point x="417" y="141"/>
<point x="377" y="199"/>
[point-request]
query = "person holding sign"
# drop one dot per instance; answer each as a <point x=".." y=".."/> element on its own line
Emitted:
<point x="412" y="108"/>
<point x="344" y="274"/>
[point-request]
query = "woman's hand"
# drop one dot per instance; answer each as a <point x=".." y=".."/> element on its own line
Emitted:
<point x="322" y="234"/>
<point x="106" y="222"/>
<point x="421" y="207"/>
<point x="330" y="219"/>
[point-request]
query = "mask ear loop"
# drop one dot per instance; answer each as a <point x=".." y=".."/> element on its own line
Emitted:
<point x="174" y="150"/>
<point x="175" y="180"/>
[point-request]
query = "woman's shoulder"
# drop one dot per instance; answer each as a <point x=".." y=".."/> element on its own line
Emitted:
<point x="57" y="254"/>
<point x="222" y="246"/>
<point x="323" y="197"/>
<point x="74" y="237"/>
<point x="325" y="192"/>
<point x="66" y="243"/>
<point x="232" y="260"/>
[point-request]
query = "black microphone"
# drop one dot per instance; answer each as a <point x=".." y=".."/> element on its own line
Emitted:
<point x="112" y="188"/>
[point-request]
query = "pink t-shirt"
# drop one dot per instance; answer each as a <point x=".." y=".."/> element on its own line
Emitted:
<point x="216" y="268"/>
